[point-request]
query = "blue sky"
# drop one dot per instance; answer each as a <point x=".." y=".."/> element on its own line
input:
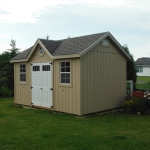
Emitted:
<point x="25" y="21"/>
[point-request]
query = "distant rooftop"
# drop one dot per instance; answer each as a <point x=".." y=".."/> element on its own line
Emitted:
<point x="143" y="61"/>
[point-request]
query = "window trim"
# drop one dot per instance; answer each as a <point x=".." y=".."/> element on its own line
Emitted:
<point x="23" y="82"/>
<point x="65" y="84"/>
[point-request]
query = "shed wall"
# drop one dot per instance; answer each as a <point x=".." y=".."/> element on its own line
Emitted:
<point x="23" y="89"/>
<point x="103" y="79"/>
<point x="67" y="97"/>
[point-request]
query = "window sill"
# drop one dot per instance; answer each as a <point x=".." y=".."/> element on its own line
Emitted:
<point x="22" y="82"/>
<point x="67" y="85"/>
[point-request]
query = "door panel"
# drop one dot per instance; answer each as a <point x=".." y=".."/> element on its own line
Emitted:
<point x="41" y="83"/>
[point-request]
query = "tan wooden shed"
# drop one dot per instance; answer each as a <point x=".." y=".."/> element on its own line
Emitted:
<point x="80" y="75"/>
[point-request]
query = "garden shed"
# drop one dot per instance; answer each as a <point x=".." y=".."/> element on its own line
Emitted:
<point x="79" y="75"/>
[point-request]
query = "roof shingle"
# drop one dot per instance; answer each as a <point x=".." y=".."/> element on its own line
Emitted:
<point x="23" y="55"/>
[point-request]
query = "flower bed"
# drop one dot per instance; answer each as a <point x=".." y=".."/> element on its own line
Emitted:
<point x="138" y="103"/>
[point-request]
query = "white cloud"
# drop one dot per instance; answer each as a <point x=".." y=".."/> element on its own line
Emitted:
<point x="25" y="11"/>
<point x="30" y="10"/>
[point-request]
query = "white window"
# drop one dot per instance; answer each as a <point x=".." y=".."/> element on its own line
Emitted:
<point x="105" y="42"/>
<point x="65" y="72"/>
<point x="23" y="72"/>
<point x="139" y="69"/>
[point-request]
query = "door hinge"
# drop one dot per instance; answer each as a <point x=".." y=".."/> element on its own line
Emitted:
<point x="31" y="87"/>
<point x="51" y="89"/>
<point x="31" y="103"/>
<point x="31" y="64"/>
<point x="51" y="106"/>
<point x="51" y="63"/>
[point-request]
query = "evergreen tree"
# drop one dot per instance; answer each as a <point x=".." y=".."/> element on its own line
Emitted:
<point x="7" y="81"/>
<point x="131" y="69"/>
<point x="13" y="50"/>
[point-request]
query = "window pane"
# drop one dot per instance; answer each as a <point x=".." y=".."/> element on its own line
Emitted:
<point x="62" y="80"/>
<point x="67" y="63"/>
<point x="68" y="69"/>
<point x="63" y="70"/>
<point x="46" y="68"/>
<point x="36" y="68"/>
<point x="62" y="64"/>
<point x="23" y="70"/>
<point x="67" y="80"/>
<point x="63" y="76"/>
<point x="68" y="75"/>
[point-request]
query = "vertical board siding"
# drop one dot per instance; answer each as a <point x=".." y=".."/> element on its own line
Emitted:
<point x="103" y="79"/>
<point x="23" y="92"/>
<point x="67" y="98"/>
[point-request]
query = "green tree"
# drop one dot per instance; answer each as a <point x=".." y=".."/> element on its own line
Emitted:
<point x="131" y="69"/>
<point x="7" y="82"/>
<point x="13" y="50"/>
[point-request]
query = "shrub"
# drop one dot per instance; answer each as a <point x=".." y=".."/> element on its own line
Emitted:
<point x="4" y="91"/>
<point x="134" y="105"/>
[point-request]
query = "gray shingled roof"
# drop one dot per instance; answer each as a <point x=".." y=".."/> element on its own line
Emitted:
<point x="143" y="61"/>
<point x="66" y="46"/>
<point x="50" y="45"/>
<point x="76" y="45"/>
<point x="23" y="55"/>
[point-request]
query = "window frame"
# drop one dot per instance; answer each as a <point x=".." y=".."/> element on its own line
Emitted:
<point x="22" y="73"/>
<point x="70" y="73"/>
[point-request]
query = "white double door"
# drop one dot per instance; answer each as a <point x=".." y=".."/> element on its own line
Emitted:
<point x="41" y="84"/>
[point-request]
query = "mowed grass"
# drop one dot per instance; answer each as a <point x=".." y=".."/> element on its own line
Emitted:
<point x="33" y="129"/>
<point x="143" y="78"/>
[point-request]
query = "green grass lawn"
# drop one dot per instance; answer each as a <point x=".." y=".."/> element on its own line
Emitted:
<point x="143" y="83"/>
<point x="143" y="78"/>
<point x="33" y="129"/>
